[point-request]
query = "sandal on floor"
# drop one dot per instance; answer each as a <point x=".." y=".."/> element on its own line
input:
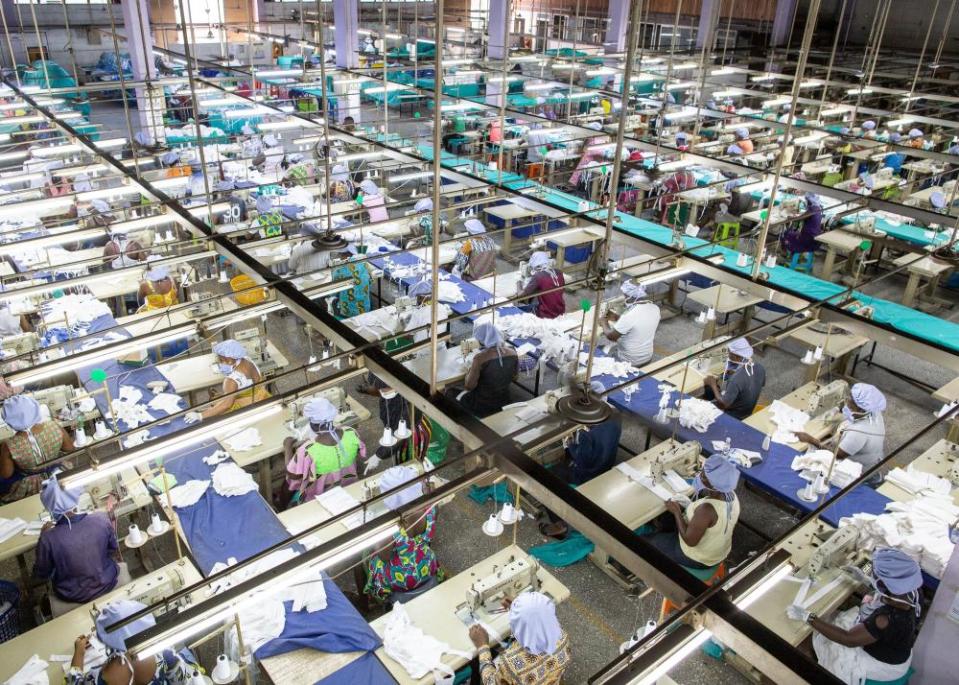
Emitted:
<point x="560" y="535"/>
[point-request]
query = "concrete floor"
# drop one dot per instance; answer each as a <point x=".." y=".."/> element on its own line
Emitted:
<point x="601" y="614"/>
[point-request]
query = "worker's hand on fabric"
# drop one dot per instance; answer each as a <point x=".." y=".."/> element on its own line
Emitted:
<point x="673" y="507"/>
<point x="797" y="613"/>
<point x="372" y="464"/>
<point x="478" y="635"/>
<point x="192" y="417"/>
<point x="47" y="526"/>
<point x="806" y="438"/>
<point x="857" y="574"/>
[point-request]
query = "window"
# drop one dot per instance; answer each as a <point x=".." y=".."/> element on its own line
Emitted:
<point x="201" y="12"/>
<point x="559" y="26"/>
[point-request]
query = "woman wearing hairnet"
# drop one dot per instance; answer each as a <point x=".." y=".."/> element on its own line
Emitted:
<point x="487" y="385"/>
<point x="122" y="667"/>
<point x="421" y="315"/>
<point x="373" y="201"/>
<point x="546" y="285"/>
<point x="408" y="566"/>
<point x="78" y="552"/>
<point x="311" y="254"/>
<point x="241" y="376"/>
<point x="477" y="256"/>
<point x="872" y="642"/>
<point x="539" y="652"/>
<point x="325" y="459"/>
<point x="701" y="535"/>
<point x="863" y="436"/>
<point x="340" y="185"/>
<point x="157" y="289"/>
<point x="804" y="239"/>
<point x="35" y="441"/>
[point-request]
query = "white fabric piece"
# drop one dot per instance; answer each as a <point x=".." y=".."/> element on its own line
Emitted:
<point x="189" y="493"/>
<point x="917" y="527"/>
<point x="100" y="340"/>
<point x="131" y="414"/>
<point x="915" y="482"/>
<point x="216" y="458"/>
<point x="608" y="366"/>
<point x="698" y="414"/>
<point x="814" y="460"/>
<point x="34" y="527"/>
<point x="845" y="472"/>
<point x="744" y="458"/>
<point x="137" y="438"/>
<point x="645" y="480"/>
<point x="784" y="437"/>
<point x="260" y="621"/>
<point x="788" y="418"/>
<point x="336" y="501"/>
<point x="376" y="321"/>
<point x="418" y="653"/>
<point x="167" y="402"/>
<point x="244" y="441"/>
<point x="11" y="527"/>
<point x="450" y="292"/>
<point x="74" y="308"/>
<point x="554" y="341"/>
<point x="130" y="394"/>
<point x="34" y="672"/>
<point x="229" y="480"/>
<point x="308" y="594"/>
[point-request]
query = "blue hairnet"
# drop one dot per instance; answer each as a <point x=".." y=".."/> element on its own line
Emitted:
<point x="56" y="500"/>
<point x="116" y="611"/>
<point x="895" y="136"/>
<point x="632" y="290"/>
<point x="722" y="475"/>
<point x="264" y="204"/>
<point x="898" y="571"/>
<point x="395" y="477"/>
<point x="868" y="397"/>
<point x="539" y="260"/>
<point x="487" y="335"/>
<point x="915" y="133"/>
<point x="741" y="347"/>
<point x="370" y="188"/>
<point x="320" y="411"/>
<point x="422" y="288"/>
<point x="532" y="618"/>
<point x="682" y="135"/>
<point x="937" y="199"/>
<point x="474" y="226"/>
<point x="868" y="125"/>
<point x="230" y="349"/>
<point x="424" y="205"/>
<point x="742" y="133"/>
<point x="734" y="150"/>
<point x="21" y="412"/>
<point x="597" y="387"/>
<point x="953" y="150"/>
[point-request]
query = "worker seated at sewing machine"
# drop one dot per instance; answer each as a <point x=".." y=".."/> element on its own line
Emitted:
<point x="477" y="257"/>
<point x="700" y="535"/>
<point x="742" y="381"/>
<point x="36" y="442"/>
<point x="242" y="383"/>
<point x="590" y="451"/>
<point x="633" y="331"/>
<point x="418" y="316"/>
<point x="862" y="436"/>
<point x="12" y="324"/>
<point x="874" y="640"/>
<point x="486" y="389"/>
<point x="539" y="651"/>
<point x="77" y="551"/>
<point x="121" y="666"/>
<point x="546" y="284"/>
<point x="407" y="567"/>
<point x="327" y="456"/>
<point x="157" y="289"/>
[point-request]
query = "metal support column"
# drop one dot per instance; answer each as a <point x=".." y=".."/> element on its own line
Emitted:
<point x="498" y="46"/>
<point x="785" y="11"/>
<point x="151" y="104"/>
<point x="346" y="20"/>
<point x="618" y="13"/>
<point x="708" y="20"/>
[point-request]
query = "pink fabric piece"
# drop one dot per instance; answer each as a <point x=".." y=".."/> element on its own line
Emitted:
<point x="302" y="465"/>
<point x="376" y="208"/>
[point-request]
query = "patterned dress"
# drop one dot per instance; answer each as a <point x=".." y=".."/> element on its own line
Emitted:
<point x="356" y="300"/>
<point x="411" y="564"/>
<point x="516" y="666"/>
<point x="28" y="475"/>
<point x="171" y="669"/>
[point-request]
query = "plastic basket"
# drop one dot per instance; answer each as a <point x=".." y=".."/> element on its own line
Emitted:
<point x="250" y="293"/>
<point x="9" y="619"/>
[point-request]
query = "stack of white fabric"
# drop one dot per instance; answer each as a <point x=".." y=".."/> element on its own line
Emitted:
<point x="915" y="481"/>
<point x="920" y="528"/>
<point x="554" y="342"/>
<point x="813" y="460"/>
<point x="788" y="420"/>
<point x="845" y="472"/>
<point x="11" y="527"/>
<point x="167" y="402"/>
<point x="450" y="292"/>
<point x="189" y="493"/>
<point x="698" y="414"/>
<point x="34" y="672"/>
<point x="229" y="480"/>
<point x="132" y="413"/>
<point x="608" y="366"/>
<point x="244" y="440"/>
<point x="74" y="308"/>
<point x="336" y="501"/>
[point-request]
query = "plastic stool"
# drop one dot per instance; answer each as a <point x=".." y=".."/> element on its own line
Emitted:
<point x="898" y="681"/>
<point x="727" y="234"/>
<point x="802" y="261"/>
<point x="709" y="576"/>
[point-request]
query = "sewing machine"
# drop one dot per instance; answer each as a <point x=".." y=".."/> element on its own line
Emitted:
<point x="15" y="345"/>
<point x="404" y="304"/>
<point x="683" y="458"/>
<point x="207" y="304"/>
<point x="954" y="473"/>
<point x="468" y="346"/>
<point x="866" y="225"/>
<point x="837" y="549"/>
<point x="154" y="588"/>
<point x="827" y="398"/>
<point x="253" y="341"/>
<point x="485" y="596"/>
<point x="336" y="396"/>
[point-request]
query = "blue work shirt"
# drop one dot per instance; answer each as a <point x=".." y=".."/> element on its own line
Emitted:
<point x="894" y="160"/>
<point x="593" y="451"/>
<point x="77" y="556"/>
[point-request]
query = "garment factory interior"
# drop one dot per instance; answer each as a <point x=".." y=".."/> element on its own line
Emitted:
<point x="649" y="376"/>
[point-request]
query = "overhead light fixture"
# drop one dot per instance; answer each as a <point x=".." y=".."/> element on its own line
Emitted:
<point x="388" y="87"/>
<point x="278" y="73"/>
<point x="764" y="77"/>
<point x="896" y="123"/>
<point x="582" y="95"/>
<point x="220" y="102"/>
<point x="357" y="156"/>
<point x="764" y="586"/>
<point x="723" y="71"/>
<point x="543" y="86"/>
<point x="859" y="91"/>
<point x="410" y="177"/>
<point x="284" y="125"/>
<point x="248" y="112"/>
<point x="32" y="208"/>
<point x="51" y="240"/>
<point x="685" y="65"/>
<point x="602" y="71"/>
<point x="670" y="662"/>
<point x="777" y="102"/>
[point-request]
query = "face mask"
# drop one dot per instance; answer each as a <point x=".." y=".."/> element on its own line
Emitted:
<point x="698" y="485"/>
<point x="847" y="413"/>
<point x="225" y="369"/>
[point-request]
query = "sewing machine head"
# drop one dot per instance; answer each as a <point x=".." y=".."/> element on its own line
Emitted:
<point x="524" y="269"/>
<point x="15" y="345"/>
<point x="837" y="550"/>
<point x="252" y="341"/>
<point x="827" y="397"/>
<point x="954" y="473"/>
<point x="516" y="577"/>
<point x="468" y="345"/>
<point x="866" y="224"/>
<point x="403" y="304"/>
<point x="336" y="396"/>
<point x="208" y="303"/>
<point x="56" y="399"/>
<point x="151" y="589"/>
<point x="683" y="458"/>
